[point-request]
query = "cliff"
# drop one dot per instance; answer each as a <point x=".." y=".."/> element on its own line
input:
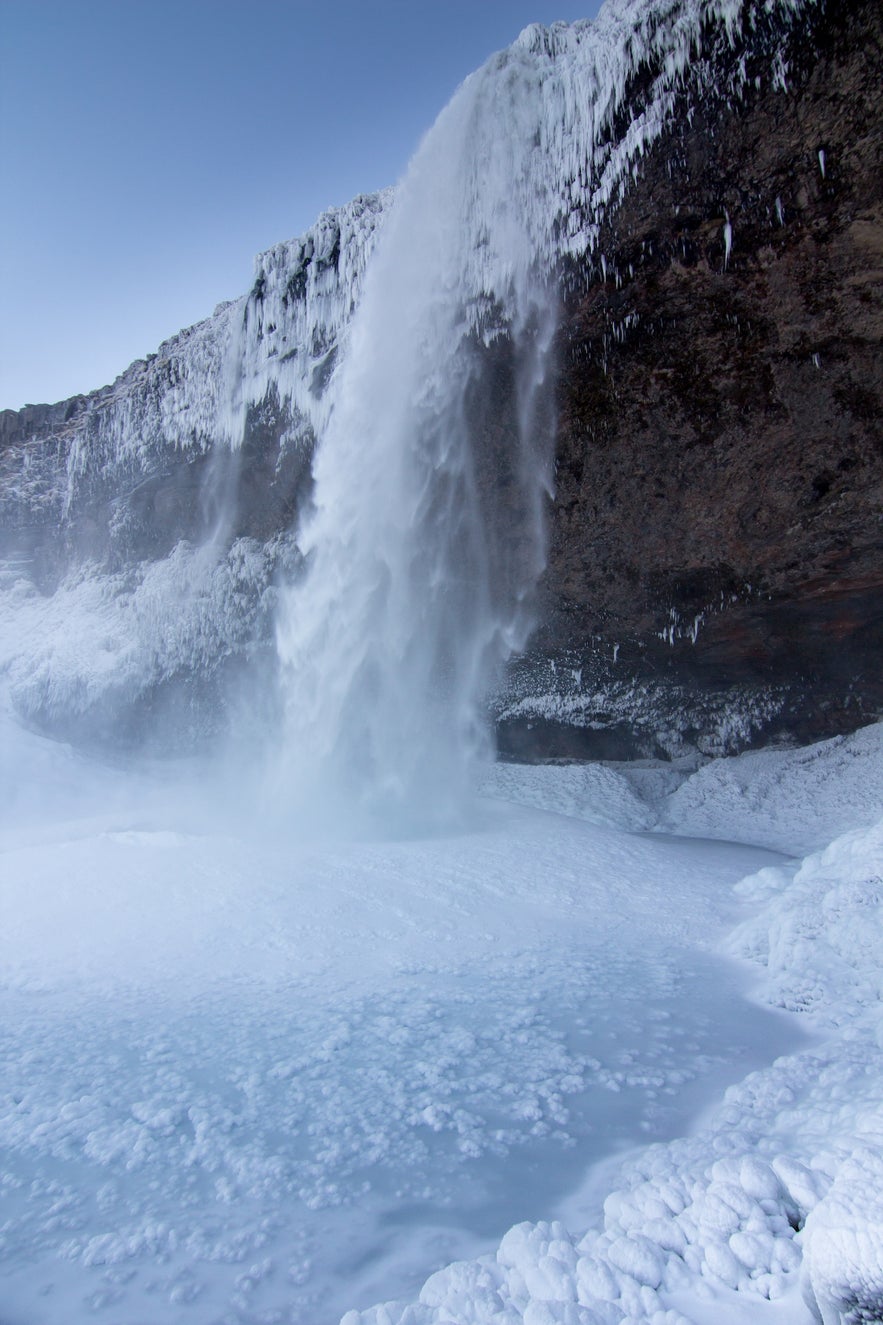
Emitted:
<point x="714" y="575"/>
<point x="716" y="562"/>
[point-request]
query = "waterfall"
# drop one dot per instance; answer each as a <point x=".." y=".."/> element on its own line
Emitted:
<point x="402" y="348"/>
<point x="426" y="537"/>
<point x="426" y="540"/>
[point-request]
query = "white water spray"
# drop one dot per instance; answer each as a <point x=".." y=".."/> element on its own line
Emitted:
<point x="427" y="539"/>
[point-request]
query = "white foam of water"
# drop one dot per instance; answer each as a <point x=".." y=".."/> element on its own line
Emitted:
<point x="413" y="596"/>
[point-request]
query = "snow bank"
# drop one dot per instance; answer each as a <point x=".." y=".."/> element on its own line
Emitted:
<point x="791" y="800"/>
<point x="584" y="791"/>
<point x="774" y="1209"/>
<point x="820" y="933"/>
<point x="794" y="801"/>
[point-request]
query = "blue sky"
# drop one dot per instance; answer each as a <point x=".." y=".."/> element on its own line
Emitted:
<point x="150" y="149"/>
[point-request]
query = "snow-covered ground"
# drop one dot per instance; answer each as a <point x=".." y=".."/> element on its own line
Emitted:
<point x="249" y="1076"/>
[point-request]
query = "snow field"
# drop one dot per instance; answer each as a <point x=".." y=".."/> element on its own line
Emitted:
<point x="773" y="1208"/>
<point x="250" y="1078"/>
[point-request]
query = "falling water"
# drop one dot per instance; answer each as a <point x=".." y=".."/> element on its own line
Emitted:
<point x="426" y="539"/>
<point x="427" y="534"/>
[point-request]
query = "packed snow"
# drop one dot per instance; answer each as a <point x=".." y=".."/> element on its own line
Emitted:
<point x="255" y="1075"/>
<point x="770" y="1208"/>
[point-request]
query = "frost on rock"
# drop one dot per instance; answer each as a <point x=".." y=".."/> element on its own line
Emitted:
<point x="565" y="690"/>
<point x="193" y="395"/>
<point x="295" y="317"/>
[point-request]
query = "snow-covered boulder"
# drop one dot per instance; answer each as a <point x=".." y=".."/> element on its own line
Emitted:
<point x="842" y="1277"/>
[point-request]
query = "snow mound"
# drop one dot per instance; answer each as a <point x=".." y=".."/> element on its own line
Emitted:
<point x="794" y="801"/>
<point x="819" y="934"/>
<point x="843" y="1246"/>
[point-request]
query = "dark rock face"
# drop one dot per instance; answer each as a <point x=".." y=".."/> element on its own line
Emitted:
<point x="716" y="564"/>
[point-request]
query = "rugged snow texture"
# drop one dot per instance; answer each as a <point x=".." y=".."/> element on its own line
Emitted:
<point x="843" y="1246"/>
<point x="118" y="478"/>
<point x="250" y="1074"/>
<point x="773" y="1209"/>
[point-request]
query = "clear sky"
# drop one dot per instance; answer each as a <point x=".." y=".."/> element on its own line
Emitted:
<point x="149" y="148"/>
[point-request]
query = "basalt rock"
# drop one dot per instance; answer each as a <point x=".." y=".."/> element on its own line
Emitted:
<point x="715" y="574"/>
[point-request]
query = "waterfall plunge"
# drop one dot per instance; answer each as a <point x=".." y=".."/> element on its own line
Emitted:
<point x="426" y="538"/>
